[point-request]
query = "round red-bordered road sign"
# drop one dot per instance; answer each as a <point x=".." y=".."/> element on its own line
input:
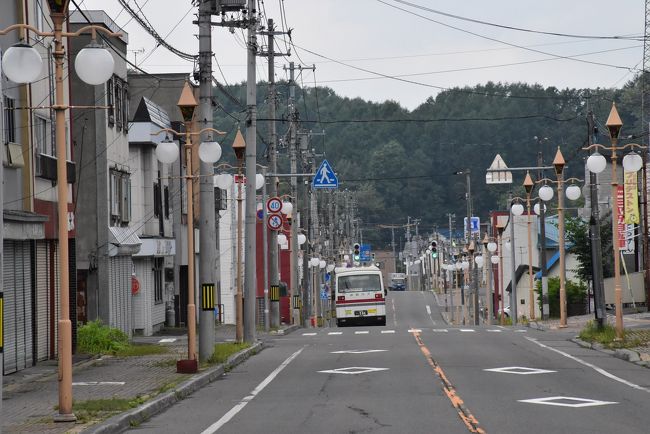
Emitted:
<point x="274" y="205"/>
<point x="274" y="221"/>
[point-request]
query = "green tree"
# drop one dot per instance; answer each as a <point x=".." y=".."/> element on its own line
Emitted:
<point x="576" y="294"/>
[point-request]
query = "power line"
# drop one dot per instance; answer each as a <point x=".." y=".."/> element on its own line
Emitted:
<point x="519" y="29"/>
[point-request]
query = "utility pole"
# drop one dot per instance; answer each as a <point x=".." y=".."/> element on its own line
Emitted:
<point x="645" y="99"/>
<point x="293" y="161"/>
<point x="542" y="245"/>
<point x="594" y="236"/>
<point x="274" y="277"/>
<point x="513" y="279"/>
<point x="250" y="288"/>
<point x="452" y="275"/>
<point x="209" y="257"/>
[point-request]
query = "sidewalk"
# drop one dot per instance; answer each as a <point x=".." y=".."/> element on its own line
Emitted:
<point x="30" y="396"/>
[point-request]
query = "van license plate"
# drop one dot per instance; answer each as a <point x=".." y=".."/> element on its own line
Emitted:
<point x="361" y="312"/>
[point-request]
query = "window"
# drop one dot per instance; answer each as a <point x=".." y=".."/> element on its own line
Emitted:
<point x="110" y="102"/>
<point x="118" y="104"/>
<point x="38" y="14"/>
<point x="158" y="264"/>
<point x="43" y="136"/>
<point x="120" y="183"/>
<point x="10" y="120"/>
<point x="156" y="200"/>
<point x="358" y="283"/>
<point x="125" y="108"/>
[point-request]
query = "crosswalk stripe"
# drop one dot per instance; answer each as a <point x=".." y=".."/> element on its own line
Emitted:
<point x="441" y="330"/>
<point x="335" y="333"/>
<point x="467" y="330"/>
<point x="387" y="331"/>
<point x="415" y="331"/>
<point x="494" y="331"/>
<point x="309" y="334"/>
<point x="362" y="332"/>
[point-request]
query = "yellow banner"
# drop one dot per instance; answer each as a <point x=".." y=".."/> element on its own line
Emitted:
<point x="631" y="198"/>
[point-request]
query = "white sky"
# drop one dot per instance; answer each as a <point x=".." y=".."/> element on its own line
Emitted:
<point x="371" y="35"/>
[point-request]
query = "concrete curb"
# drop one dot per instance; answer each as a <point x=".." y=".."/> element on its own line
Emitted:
<point x="623" y="354"/>
<point x="285" y="331"/>
<point x="121" y="422"/>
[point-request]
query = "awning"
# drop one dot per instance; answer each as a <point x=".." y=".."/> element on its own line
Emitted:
<point x="123" y="241"/>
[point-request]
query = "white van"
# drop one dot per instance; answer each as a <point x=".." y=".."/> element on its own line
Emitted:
<point x="359" y="296"/>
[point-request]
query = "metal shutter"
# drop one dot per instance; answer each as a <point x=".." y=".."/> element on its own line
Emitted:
<point x="42" y="301"/>
<point x="9" y="326"/>
<point x="18" y="306"/>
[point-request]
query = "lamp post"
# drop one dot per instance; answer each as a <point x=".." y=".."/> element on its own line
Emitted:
<point x="572" y="193"/>
<point x="500" y="230"/>
<point x="491" y="247"/>
<point x="22" y="64"/>
<point x="632" y="162"/>
<point x="209" y="152"/>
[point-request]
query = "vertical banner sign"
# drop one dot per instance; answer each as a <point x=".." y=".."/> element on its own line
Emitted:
<point x="620" y="224"/>
<point x="631" y="198"/>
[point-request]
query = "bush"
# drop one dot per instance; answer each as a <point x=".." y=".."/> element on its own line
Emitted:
<point x="96" y="338"/>
<point x="224" y="350"/>
<point x="576" y="293"/>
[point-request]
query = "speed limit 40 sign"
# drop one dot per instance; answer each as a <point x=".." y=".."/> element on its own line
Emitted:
<point x="274" y="205"/>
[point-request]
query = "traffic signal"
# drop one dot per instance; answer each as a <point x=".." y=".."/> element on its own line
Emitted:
<point x="434" y="249"/>
<point x="357" y="252"/>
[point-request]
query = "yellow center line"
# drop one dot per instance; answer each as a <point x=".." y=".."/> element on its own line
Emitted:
<point x="463" y="412"/>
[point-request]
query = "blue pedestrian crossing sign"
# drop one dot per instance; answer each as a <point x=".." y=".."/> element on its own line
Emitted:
<point x="325" y="177"/>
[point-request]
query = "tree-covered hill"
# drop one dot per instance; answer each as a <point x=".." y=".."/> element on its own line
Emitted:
<point x="402" y="162"/>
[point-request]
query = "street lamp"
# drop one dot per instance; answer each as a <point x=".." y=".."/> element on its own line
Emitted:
<point x="94" y="65"/>
<point x="632" y="162"/>
<point x="517" y="210"/>
<point x="572" y="193"/>
<point x="491" y="247"/>
<point x="167" y="152"/>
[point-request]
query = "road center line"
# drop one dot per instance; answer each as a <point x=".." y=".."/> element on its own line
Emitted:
<point x="428" y="309"/>
<point x="237" y="408"/>
<point x="465" y="415"/>
<point x="589" y="365"/>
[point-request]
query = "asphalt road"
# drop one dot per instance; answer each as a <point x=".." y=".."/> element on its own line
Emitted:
<point x="418" y="375"/>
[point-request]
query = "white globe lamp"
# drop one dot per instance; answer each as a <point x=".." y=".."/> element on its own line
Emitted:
<point x="287" y="207"/>
<point x="492" y="247"/>
<point x="536" y="208"/>
<point x="22" y="63"/>
<point x="94" y="64"/>
<point x="167" y="152"/>
<point x="346" y="257"/>
<point x="314" y="262"/>
<point x="282" y="239"/>
<point x="494" y="259"/>
<point x="632" y="162"/>
<point x="479" y="261"/>
<point x="573" y="192"/>
<point x="301" y="239"/>
<point x="546" y="193"/>
<point x="517" y="209"/>
<point x="259" y="181"/>
<point x="322" y="264"/>
<point x="209" y="152"/>
<point x="596" y="163"/>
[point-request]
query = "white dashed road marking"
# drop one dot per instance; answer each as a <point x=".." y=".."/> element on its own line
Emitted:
<point x="335" y="333"/>
<point x="387" y="331"/>
<point x="361" y="332"/>
<point x="309" y="334"/>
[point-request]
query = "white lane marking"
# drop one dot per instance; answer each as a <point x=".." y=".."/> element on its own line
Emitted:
<point x="467" y="330"/>
<point x="415" y="331"/>
<point x="494" y="330"/>
<point x="309" y="334"/>
<point x="557" y="400"/>
<point x="357" y="351"/>
<point x="361" y="332"/>
<point x="167" y="340"/>
<point x="335" y="333"/>
<point x="99" y="383"/>
<point x="520" y="331"/>
<point x="440" y="330"/>
<point x="237" y="408"/>
<point x="501" y="327"/>
<point x="392" y="300"/>
<point x="594" y="367"/>
<point x="387" y="331"/>
<point x="519" y="370"/>
<point x="353" y="370"/>
<point x="428" y="309"/>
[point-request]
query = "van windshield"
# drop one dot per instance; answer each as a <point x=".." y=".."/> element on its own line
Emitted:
<point x="358" y="283"/>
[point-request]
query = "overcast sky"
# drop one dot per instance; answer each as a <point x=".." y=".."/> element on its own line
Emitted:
<point x="434" y="50"/>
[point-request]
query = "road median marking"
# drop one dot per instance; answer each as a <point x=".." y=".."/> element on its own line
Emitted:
<point x="465" y="415"/>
